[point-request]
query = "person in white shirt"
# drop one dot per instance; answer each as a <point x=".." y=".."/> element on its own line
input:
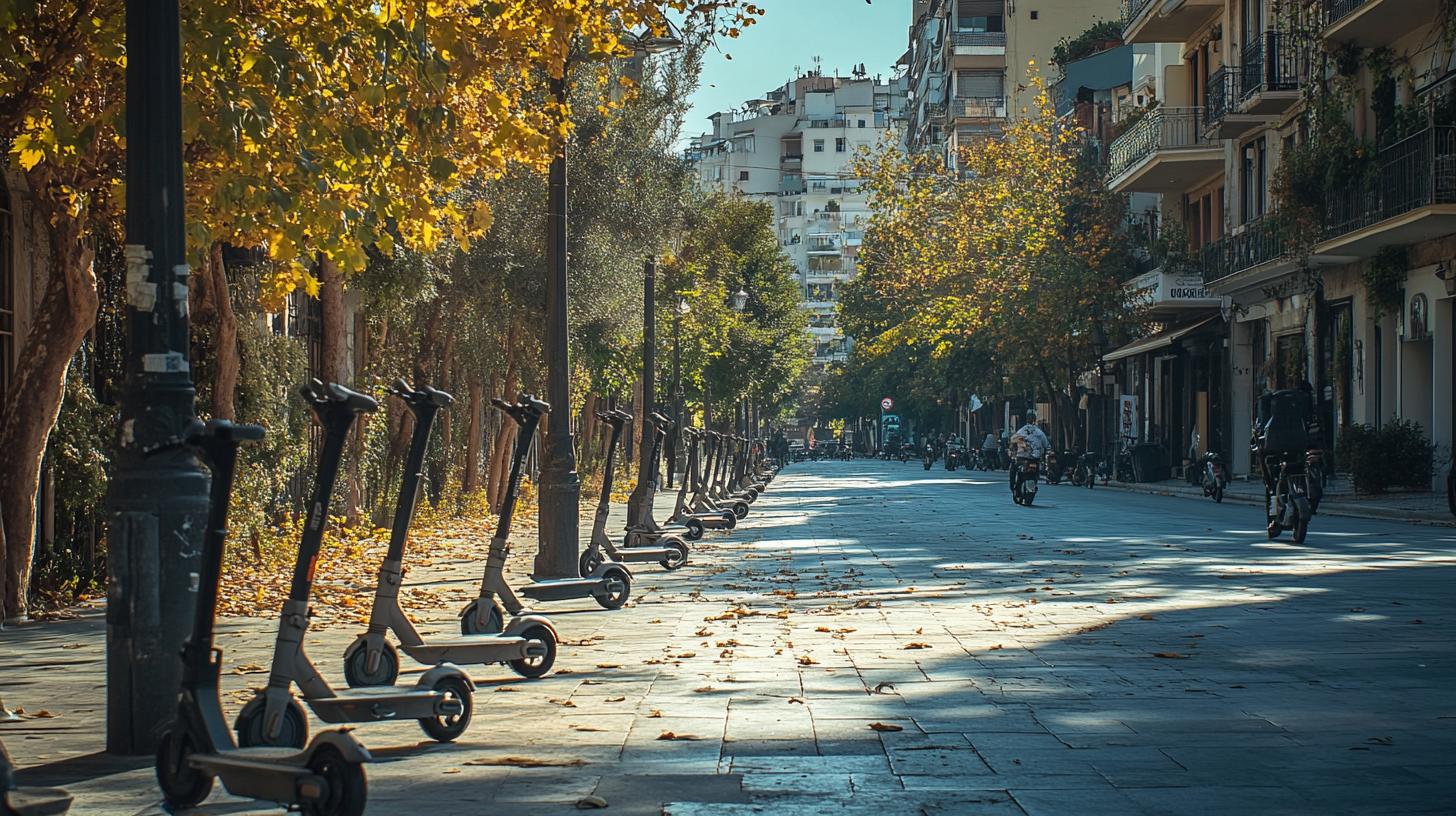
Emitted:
<point x="1029" y="442"/>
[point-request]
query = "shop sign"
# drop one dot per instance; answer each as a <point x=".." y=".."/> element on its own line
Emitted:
<point x="1159" y="288"/>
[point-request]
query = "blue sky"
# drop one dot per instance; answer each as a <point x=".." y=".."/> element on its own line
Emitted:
<point x="842" y="33"/>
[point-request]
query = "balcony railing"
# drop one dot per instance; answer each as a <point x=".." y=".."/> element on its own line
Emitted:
<point x="1159" y="129"/>
<point x="1223" y="94"/>
<point x="980" y="107"/>
<point x="1337" y="10"/>
<point x="1131" y="9"/>
<point x="972" y="39"/>
<point x="1416" y="171"/>
<point x="1260" y="241"/>
<point x="1275" y="62"/>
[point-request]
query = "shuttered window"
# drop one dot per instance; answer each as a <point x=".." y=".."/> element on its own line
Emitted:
<point x="979" y="84"/>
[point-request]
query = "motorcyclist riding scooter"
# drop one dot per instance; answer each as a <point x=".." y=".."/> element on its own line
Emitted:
<point x="1030" y="444"/>
<point x="1282" y="434"/>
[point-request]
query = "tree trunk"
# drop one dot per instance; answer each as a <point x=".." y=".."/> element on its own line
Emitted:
<point x="354" y="501"/>
<point x="66" y="312"/>
<point x="333" y="355"/>
<point x="470" y="479"/>
<point x="501" y="449"/>
<point x="226" y="364"/>
<point x="447" y="425"/>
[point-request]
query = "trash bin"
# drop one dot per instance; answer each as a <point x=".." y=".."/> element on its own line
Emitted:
<point x="1149" y="463"/>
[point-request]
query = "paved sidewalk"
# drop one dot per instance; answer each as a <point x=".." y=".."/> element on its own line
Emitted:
<point x="877" y="639"/>
<point x="1340" y="499"/>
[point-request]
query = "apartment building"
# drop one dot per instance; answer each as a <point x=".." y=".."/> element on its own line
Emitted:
<point x="1294" y="304"/>
<point x="794" y="148"/>
<point x="967" y="61"/>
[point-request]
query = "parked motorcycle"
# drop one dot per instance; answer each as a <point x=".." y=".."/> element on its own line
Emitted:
<point x="1215" y="475"/>
<point x="1084" y="473"/>
<point x="1023" y="488"/>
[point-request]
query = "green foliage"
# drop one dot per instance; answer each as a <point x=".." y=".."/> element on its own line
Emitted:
<point x="1071" y="49"/>
<point x="1396" y="455"/>
<point x="1384" y="277"/>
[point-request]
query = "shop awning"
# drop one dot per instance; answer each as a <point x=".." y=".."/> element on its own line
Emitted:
<point x="1153" y="342"/>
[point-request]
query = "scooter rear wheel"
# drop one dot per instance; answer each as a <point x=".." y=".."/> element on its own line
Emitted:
<point x="356" y="667"/>
<point x="618" y="588"/>
<point x="494" y="620"/>
<point x="695" y="529"/>
<point x="252" y="727"/>
<point x="589" y="561"/>
<point x="345" y="788"/>
<point x="448" y="728"/>
<point x="533" y="667"/>
<point x="679" y="555"/>
<point x="183" y="786"/>
<point x="740" y="509"/>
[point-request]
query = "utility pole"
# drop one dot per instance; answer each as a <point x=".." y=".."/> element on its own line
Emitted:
<point x="157" y="504"/>
<point x="560" y="484"/>
<point x="649" y="387"/>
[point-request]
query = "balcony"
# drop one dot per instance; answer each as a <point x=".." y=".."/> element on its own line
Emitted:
<point x="791" y="186"/>
<point x="1375" y="23"/>
<point x="1166" y="151"/>
<point x="1145" y="22"/>
<point x="1274" y="70"/>
<point x="979" y="107"/>
<point x="1222" y="117"/>
<point x="825" y="246"/>
<point x="1409" y="196"/>
<point x="978" y="42"/>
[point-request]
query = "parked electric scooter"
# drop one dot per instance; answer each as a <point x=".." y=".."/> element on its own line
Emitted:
<point x="18" y="801"/>
<point x="670" y="551"/>
<point x="324" y="779"/>
<point x="644" y="531"/>
<point x="610" y="584"/>
<point x="697" y="508"/>
<point x="714" y="497"/>
<point x="528" y="643"/>
<point x="441" y="700"/>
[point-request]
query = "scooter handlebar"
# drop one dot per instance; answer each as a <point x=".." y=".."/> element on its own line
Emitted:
<point x="661" y="421"/>
<point x="320" y="394"/>
<point x="539" y="406"/>
<point x="420" y="396"/>
<point x="614" y="415"/>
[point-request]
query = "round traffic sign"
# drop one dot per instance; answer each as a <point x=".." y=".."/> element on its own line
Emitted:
<point x="887" y="403"/>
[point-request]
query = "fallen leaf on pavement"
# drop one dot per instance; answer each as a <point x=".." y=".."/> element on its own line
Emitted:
<point x="879" y="726"/>
<point x="917" y="645"/>
<point x="590" y="803"/>
<point x="1171" y="655"/>
<point x="451" y="771"/>
<point x="606" y="666"/>
<point x="562" y="703"/>
<point x="669" y="735"/>
<point x="654" y="714"/>
<point x="615" y="699"/>
<point x="702" y="689"/>
<point x="805" y="660"/>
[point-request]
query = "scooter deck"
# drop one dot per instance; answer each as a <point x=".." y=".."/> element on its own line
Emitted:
<point x="37" y="801"/>
<point x="258" y="773"/>
<point x="634" y="555"/>
<point x="562" y="589"/>
<point x="476" y="649"/>
<point x="374" y="704"/>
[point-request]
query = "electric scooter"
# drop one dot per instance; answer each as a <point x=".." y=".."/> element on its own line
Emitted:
<point x="645" y="531"/>
<point x="687" y="511"/>
<point x="324" y="779"/>
<point x="610" y="583"/>
<point x="717" y="498"/>
<point x="670" y="551"/>
<point x="528" y="643"/>
<point x="441" y="701"/>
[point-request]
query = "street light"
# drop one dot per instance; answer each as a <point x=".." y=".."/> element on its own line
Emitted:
<point x="740" y="300"/>
<point x="560" y="485"/>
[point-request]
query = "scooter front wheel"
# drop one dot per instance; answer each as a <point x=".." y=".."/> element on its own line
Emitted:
<point x="695" y="529"/>
<point x="345" y="788"/>
<point x="183" y="786"/>
<point x="740" y="509"/>
<point x="617" y="588"/>
<point x="493" y="624"/>
<point x="252" y="726"/>
<point x="533" y="667"/>
<point x="677" y="558"/>
<point x="356" y="667"/>
<point x="449" y="727"/>
<point x="589" y="561"/>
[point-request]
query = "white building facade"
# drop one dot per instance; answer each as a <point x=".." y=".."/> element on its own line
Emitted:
<point x="795" y="148"/>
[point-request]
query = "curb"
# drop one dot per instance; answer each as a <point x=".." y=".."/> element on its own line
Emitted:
<point x="1328" y="507"/>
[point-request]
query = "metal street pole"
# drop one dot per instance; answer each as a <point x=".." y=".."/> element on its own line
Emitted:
<point x="649" y="385"/>
<point x="560" y="484"/>
<point x="677" y="389"/>
<point x="157" y="505"/>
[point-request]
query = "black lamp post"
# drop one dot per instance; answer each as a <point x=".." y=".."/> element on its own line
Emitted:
<point x="560" y="485"/>
<point x="156" y="504"/>
<point x="682" y="310"/>
<point x="649" y="385"/>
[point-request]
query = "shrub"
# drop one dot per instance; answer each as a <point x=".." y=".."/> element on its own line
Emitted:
<point x="1397" y="455"/>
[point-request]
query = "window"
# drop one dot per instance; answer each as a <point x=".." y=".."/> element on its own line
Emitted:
<point x="1254" y="178"/>
<point x="979" y="84"/>
<point x="841" y="144"/>
<point x="743" y="175"/>
<point x="861" y="123"/>
<point x="1036" y="15"/>
<point x="818" y="145"/>
<point x="980" y="16"/>
<point x="7" y="293"/>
